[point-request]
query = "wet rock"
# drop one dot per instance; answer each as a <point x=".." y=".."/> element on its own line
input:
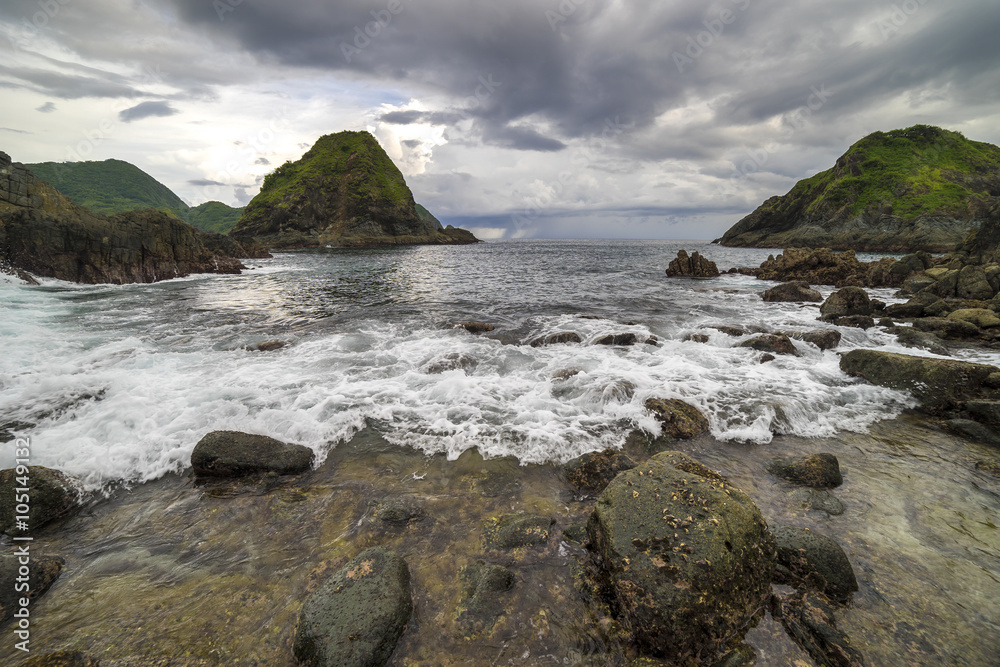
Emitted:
<point x="481" y="585"/>
<point x="854" y="321"/>
<point x="915" y="307"/>
<point x="798" y="290"/>
<point x="397" y="512"/>
<point x="945" y="328"/>
<point x="822" y="266"/>
<point x="517" y="530"/>
<point x="767" y="358"/>
<point x="557" y="339"/>
<point x="989" y="467"/>
<point x="576" y="533"/>
<point x="821" y="471"/>
<point x="910" y="337"/>
<point x="678" y="420"/>
<point x="847" y="302"/>
<point x="52" y="494"/>
<point x="566" y="373"/>
<point x="697" y="338"/>
<point x="981" y="317"/>
<point x="593" y="472"/>
<point x="234" y="454"/>
<point x="688" y="557"/>
<point x="741" y="656"/>
<point x="808" y="618"/>
<point x="820" y="500"/>
<point x="450" y="362"/>
<point x="808" y="558"/>
<point x="42" y="573"/>
<point x="973" y="284"/>
<point x="694" y="266"/>
<point x="61" y="659"/>
<point x="475" y="327"/>
<point x="937" y="383"/>
<point x="358" y="615"/>
<point x="618" y="339"/>
<point x="825" y="339"/>
<point x="270" y="345"/>
<point x="773" y="343"/>
<point x="736" y="332"/>
<point x="974" y="431"/>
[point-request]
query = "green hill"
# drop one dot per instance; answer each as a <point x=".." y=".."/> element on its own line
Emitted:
<point x="922" y="188"/>
<point x="214" y="216"/>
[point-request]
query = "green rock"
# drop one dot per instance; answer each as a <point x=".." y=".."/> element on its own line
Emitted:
<point x="42" y="573"/>
<point x="679" y="420"/>
<point x="980" y="317"/>
<point x="819" y="471"/>
<point x="234" y="454"/>
<point x="593" y="472"/>
<point x="688" y="557"/>
<point x="517" y="530"/>
<point x="797" y="290"/>
<point x="397" y="512"/>
<point x="51" y="494"/>
<point x="938" y="384"/>
<point x="482" y="605"/>
<point x="973" y="284"/>
<point x="947" y="328"/>
<point x="358" y="615"/>
<point x="806" y="557"/>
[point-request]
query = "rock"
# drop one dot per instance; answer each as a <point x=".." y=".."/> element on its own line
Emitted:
<point x="517" y="530"/>
<point x="61" y="659"/>
<point x="765" y="358"/>
<point x="913" y="308"/>
<point x="845" y="303"/>
<point x="697" y="338"/>
<point x="52" y="494"/>
<point x="741" y="656"/>
<point x="593" y="472"/>
<point x="989" y="467"/>
<point x="42" y="573"/>
<point x="694" y="266"/>
<point x="481" y="605"/>
<point x="618" y="339"/>
<point x="820" y="471"/>
<point x="946" y="328"/>
<point x="982" y="318"/>
<point x="974" y="431"/>
<point x="557" y="339"/>
<point x="826" y="339"/>
<point x="821" y="500"/>
<point x="822" y="266"/>
<point x="358" y="615"/>
<point x="475" y="327"/>
<point x="344" y="192"/>
<point x="688" y="557"/>
<point x="678" y="420"/>
<point x="565" y="374"/>
<point x="576" y="533"/>
<point x="854" y="321"/>
<point x="798" y="290"/>
<point x="233" y="454"/>
<point x="806" y="557"/>
<point x="910" y="337"/>
<point x="775" y="343"/>
<point x="452" y="361"/>
<point x="938" y="384"/>
<point x="270" y="345"/>
<point x="808" y="618"/>
<point x="985" y="412"/>
<point x="973" y="284"/>
<point x="397" y="512"/>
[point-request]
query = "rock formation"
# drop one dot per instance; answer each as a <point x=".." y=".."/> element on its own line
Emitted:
<point x="694" y="266"/>
<point x="345" y="191"/>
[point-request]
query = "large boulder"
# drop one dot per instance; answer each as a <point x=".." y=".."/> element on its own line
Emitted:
<point x="973" y="284"/>
<point x="694" y="266"/>
<point x="678" y="420"/>
<point x="939" y="384"/>
<point x="821" y="471"/>
<point x="981" y="317"/>
<point x="808" y="558"/>
<point x="358" y="615"/>
<point x="798" y="290"/>
<point x="51" y="494"/>
<point x="773" y="343"/>
<point x="234" y="454"/>
<point x="824" y="339"/>
<point x="593" y="472"/>
<point x="688" y="557"/>
<point x="42" y="573"/>
<point x="847" y="302"/>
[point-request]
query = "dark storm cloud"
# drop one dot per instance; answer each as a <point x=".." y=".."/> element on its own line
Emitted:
<point x="403" y="117"/>
<point x="147" y="110"/>
<point x="65" y="85"/>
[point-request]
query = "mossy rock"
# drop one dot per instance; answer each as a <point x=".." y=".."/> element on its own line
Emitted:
<point x="796" y="291"/>
<point x="688" y="557"/>
<point x="43" y="572"/>
<point x="981" y="317"/>
<point x="61" y="659"/>
<point x="397" y="512"/>
<point x="825" y="339"/>
<point x="482" y="584"/>
<point x="234" y="454"/>
<point x="52" y="494"/>
<point x="679" y="420"/>
<point x="356" y="618"/>
<point x="816" y="470"/>
<point x="517" y="530"/>
<point x="845" y="303"/>
<point x="593" y="472"/>
<point x="807" y="558"/>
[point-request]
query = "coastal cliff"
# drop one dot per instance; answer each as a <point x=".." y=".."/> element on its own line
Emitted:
<point x="45" y="234"/>
<point x="345" y="191"/>
<point x="922" y="188"/>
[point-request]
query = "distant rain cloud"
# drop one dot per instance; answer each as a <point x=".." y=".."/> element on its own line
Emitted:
<point x="147" y="110"/>
<point x="48" y="107"/>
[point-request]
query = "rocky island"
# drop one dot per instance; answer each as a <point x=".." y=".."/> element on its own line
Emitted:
<point x="344" y="192"/>
<point x="922" y="188"/>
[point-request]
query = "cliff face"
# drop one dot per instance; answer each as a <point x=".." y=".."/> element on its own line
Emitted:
<point x="344" y="192"/>
<point x="922" y="188"/>
<point x="44" y="233"/>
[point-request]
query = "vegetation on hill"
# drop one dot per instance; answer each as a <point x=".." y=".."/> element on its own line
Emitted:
<point x="214" y="216"/>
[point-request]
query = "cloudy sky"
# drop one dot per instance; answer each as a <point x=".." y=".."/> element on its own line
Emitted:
<point x="544" y="118"/>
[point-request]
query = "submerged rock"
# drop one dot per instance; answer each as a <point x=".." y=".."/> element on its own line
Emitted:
<point x="688" y="557"/>
<point x="806" y="557"/>
<point x="51" y="493"/>
<point x="450" y="362"/>
<point x="774" y="343"/>
<point x="557" y="339"/>
<point x="234" y="454"/>
<point x="625" y="339"/>
<point x="593" y="472"/>
<point x="808" y="618"/>
<point x="61" y="659"/>
<point x="269" y="345"/>
<point x="42" y="573"/>
<point x="797" y="290"/>
<point x="397" y="512"/>
<point x="517" y="530"/>
<point x="679" y="420"/>
<point x="694" y="266"/>
<point x="481" y="604"/>
<point x="817" y="470"/>
<point x="476" y="327"/>
<point x="356" y="618"/>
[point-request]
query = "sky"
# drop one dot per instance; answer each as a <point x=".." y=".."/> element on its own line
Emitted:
<point x="517" y="119"/>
